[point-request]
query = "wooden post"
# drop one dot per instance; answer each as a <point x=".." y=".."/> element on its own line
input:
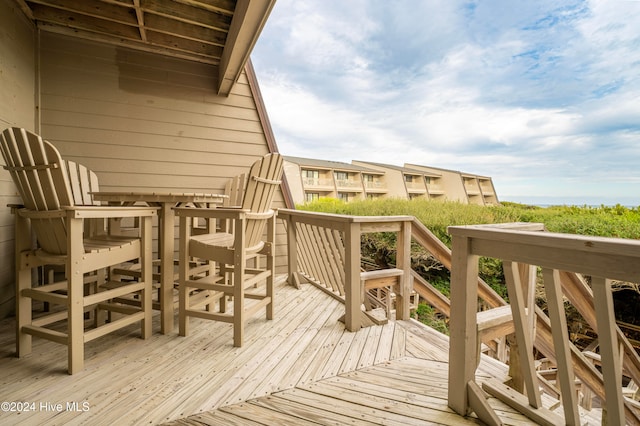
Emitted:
<point x="292" y="251"/>
<point x="352" y="318"/>
<point x="463" y="358"/>
<point x="403" y="261"/>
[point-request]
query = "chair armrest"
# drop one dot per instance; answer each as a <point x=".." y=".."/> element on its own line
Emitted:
<point x="264" y="215"/>
<point x="90" y="212"/>
<point x="213" y="213"/>
<point x="106" y="212"/>
<point x="45" y="214"/>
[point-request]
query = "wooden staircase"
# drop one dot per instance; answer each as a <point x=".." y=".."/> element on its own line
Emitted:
<point x="498" y="320"/>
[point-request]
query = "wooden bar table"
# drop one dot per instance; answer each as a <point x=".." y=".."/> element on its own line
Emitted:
<point x="166" y="235"/>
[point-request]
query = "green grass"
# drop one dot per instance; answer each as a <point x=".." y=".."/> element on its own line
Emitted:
<point x="616" y="221"/>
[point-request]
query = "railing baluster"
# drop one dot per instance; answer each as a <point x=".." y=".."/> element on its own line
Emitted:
<point x="558" y="319"/>
<point x="523" y="335"/>
<point x="611" y="366"/>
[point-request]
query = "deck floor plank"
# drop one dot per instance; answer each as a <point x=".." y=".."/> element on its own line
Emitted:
<point x="304" y="410"/>
<point x="265" y="415"/>
<point x="329" y="404"/>
<point x="320" y="351"/>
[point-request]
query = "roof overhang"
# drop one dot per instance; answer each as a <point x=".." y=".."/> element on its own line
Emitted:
<point x="217" y="32"/>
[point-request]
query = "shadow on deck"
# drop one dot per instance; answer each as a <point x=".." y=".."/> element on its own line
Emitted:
<point x="301" y="368"/>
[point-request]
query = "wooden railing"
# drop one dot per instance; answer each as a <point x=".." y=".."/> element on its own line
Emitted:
<point x="324" y="249"/>
<point x="559" y="256"/>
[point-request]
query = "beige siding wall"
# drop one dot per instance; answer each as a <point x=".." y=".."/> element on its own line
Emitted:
<point x="147" y="122"/>
<point x="17" y="108"/>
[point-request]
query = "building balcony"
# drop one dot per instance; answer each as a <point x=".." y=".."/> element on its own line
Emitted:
<point x="312" y="183"/>
<point x="352" y="185"/>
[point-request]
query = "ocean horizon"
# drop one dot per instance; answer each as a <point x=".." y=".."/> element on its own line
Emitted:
<point x="592" y="201"/>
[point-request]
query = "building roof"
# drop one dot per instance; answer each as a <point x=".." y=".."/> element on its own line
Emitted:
<point x="402" y="169"/>
<point x="217" y="32"/>
<point x="327" y="164"/>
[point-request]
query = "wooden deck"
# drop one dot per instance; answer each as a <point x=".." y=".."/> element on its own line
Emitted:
<point x="300" y="368"/>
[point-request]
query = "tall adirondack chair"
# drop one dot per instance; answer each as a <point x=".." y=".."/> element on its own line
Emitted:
<point x="233" y="191"/>
<point x="84" y="183"/>
<point x="232" y="250"/>
<point x="52" y="213"/>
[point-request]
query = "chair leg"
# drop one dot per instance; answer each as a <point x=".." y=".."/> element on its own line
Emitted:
<point x="23" y="281"/>
<point x="183" y="320"/>
<point x="146" y="268"/>
<point x="23" y="312"/>
<point x="271" y="264"/>
<point x="75" y="322"/>
<point x="183" y="276"/>
<point x="270" y="296"/>
<point x="238" y="303"/>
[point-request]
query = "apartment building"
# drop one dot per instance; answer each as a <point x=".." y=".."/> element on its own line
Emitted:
<point x="458" y="186"/>
<point x="406" y="182"/>
<point x="311" y="179"/>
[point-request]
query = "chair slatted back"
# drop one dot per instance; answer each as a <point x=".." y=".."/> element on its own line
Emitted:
<point x="37" y="169"/>
<point x="264" y="179"/>
<point x="234" y="190"/>
<point x="83" y="182"/>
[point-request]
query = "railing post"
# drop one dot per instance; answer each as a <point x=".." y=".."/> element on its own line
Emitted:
<point x="352" y="318"/>
<point x="292" y="251"/>
<point x="403" y="261"/>
<point x="463" y="358"/>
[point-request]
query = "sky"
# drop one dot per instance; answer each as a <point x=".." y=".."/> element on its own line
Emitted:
<point x="543" y="96"/>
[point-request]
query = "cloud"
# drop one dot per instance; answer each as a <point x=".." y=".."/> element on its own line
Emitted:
<point x="539" y="94"/>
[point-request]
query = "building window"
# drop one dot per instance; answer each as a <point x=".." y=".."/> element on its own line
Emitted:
<point x="341" y="176"/>
<point x="368" y="178"/>
<point x="311" y="174"/>
<point x="427" y="179"/>
<point x="311" y="196"/>
<point x="408" y="178"/>
<point x="344" y="196"/>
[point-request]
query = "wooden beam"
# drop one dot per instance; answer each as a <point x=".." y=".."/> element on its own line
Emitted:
<point x="128" y="43"/>
<point x="480" y="406"/>
<point x="247" y="23"/>
<point x="140" y="17"/>
<point x="25" y="9"/>
<point x="520" y="403"/>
